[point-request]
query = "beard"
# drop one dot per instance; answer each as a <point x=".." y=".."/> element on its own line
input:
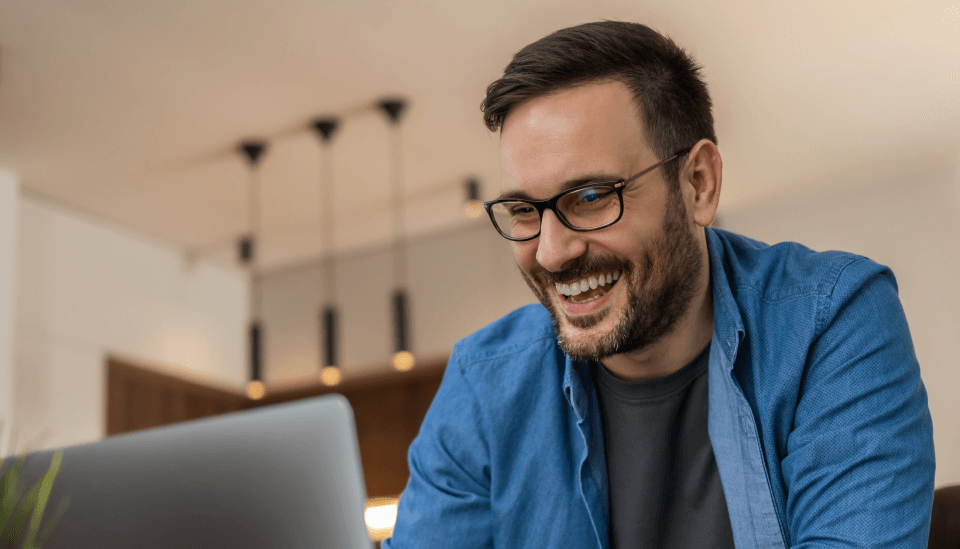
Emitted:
<point x="661" y="286"/>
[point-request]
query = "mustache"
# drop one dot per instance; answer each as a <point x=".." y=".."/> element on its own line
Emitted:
<point x="580" y="268"/>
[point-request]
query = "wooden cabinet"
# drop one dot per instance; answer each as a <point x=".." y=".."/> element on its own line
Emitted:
<point x="388" y="407"/>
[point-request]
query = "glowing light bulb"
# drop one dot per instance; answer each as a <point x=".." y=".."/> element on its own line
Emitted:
<point x="256" y="390"/>
<point x="380" y="515"/>
<point x="403" y="361"/>
<point x="330" y="375"/>
<point x="474" y="208"/>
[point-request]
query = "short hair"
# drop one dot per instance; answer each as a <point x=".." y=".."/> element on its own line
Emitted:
<point x="672" y="98"/>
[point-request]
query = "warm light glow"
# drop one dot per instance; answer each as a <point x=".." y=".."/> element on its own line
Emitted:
<point x="380" y="514"/>
<point x="403" y="361"/>
<point x="474" y="208"/>
<point x="330" y="375"/>
<point x="256" y="390"/>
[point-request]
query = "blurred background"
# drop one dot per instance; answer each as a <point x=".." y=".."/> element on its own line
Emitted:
<point x="124" y="196"/>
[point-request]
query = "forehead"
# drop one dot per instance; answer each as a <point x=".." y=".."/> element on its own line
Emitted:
<point x="574" y="134"/>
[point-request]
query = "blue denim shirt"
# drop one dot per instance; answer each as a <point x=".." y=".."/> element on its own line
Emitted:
<point x="817" y="416"/>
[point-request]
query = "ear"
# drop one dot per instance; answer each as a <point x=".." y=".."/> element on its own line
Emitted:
<point x="701" y="179"/>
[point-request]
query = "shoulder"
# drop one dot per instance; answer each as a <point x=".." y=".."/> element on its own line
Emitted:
<point x="786" y="270"/>
<point x="513" y="334"/>
<point x="511" y="359"/>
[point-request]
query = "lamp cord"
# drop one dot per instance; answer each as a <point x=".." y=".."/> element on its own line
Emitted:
<point x="399" y="246"/>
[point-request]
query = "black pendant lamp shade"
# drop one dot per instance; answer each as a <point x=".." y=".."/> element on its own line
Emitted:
<point x="401" y="336"/>
<point x="325" y="128"/>
<point x="473" y="189"/>
<point x="256" y="351"/>
<point x="253" y="149"/>
<point x="472" y="204"/>
<point x="393" y="107"/>
<point x="245" y="249"/>
<point x="329" y="335"/>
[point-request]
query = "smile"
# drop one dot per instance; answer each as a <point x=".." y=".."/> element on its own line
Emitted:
<point x="587" y="286"/>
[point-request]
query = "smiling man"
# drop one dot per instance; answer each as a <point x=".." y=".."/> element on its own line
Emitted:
<point x="680" y="386"/>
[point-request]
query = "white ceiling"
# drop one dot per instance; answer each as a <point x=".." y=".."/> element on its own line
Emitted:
<point x="130" y="110"/>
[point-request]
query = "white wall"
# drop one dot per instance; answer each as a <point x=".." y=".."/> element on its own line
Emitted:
<point x="9" y="194"/>
<point x="87" y="289"/>
<point x="907" y="219"/>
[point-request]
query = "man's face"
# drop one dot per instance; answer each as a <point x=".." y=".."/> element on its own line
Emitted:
<point x="592" y="133"/>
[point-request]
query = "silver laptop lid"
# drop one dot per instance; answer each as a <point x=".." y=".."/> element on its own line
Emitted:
<point x="282" y="476"/>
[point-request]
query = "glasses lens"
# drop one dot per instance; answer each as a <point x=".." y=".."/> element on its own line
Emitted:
<point x="590" y="207"/>
<point x="516" y="219"/>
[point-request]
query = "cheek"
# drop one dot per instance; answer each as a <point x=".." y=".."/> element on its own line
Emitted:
<point x="525" y="253"/>
<point x="627" y="242"/>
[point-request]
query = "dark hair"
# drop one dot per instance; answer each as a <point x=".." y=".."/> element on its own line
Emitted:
<point x="672" y="98"/>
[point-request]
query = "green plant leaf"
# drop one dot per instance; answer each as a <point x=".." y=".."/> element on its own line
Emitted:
<point x="9" y="491"/>
<point x="43" y="494"/>
<point x="21" y="515"/>
<point x="52" y="522"/>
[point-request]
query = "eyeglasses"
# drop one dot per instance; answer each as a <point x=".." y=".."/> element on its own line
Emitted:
<point x="582" y="208"/>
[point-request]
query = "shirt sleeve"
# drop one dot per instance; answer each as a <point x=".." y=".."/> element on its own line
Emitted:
<point x="447" y="500"/>
<point x="860" y="464"/>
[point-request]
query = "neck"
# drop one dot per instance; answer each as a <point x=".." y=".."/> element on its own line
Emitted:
<point x="680" y="346"/>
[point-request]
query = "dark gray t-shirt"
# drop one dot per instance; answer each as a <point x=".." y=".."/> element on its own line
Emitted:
<point x="665" y="489"/>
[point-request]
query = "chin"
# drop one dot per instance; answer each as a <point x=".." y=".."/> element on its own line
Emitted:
<point x="586" y="337"/>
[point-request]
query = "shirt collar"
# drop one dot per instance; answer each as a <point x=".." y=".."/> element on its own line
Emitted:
<point x="728" y="327"/>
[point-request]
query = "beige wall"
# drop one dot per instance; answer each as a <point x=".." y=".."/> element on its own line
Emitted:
<point x="9" y="197"/>
<point x="907" y="219"/>
<point x="85" y="289"/>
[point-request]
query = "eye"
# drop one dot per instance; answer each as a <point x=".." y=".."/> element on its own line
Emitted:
<point x="521" y="209"/>
<point x="593" y="196"/>
<point x="588" y="195"/>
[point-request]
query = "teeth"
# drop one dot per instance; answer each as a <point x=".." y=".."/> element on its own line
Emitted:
<point x="577" y="288"/>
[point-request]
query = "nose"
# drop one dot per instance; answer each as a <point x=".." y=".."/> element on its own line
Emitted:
<point x="557" y="244"/>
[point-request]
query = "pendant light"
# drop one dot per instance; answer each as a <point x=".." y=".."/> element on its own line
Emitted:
<point x="403" y="358"/>
<point x="252" y="151"/>
<point x="472" y="204"/>
<point x="329" y="328"/>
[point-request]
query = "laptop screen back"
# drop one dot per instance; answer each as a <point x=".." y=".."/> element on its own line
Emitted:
<point x="281" y="476"/>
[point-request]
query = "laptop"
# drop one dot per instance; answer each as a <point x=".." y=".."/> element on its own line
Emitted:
<point x="281" y="476"/>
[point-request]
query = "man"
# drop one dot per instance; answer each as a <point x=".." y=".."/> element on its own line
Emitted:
<point x="680" y="386"/>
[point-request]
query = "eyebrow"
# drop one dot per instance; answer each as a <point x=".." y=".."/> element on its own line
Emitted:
<point x="598" y="177"/>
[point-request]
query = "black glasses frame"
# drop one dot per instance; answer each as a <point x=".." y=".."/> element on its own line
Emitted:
<point x="551" y="203"/>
